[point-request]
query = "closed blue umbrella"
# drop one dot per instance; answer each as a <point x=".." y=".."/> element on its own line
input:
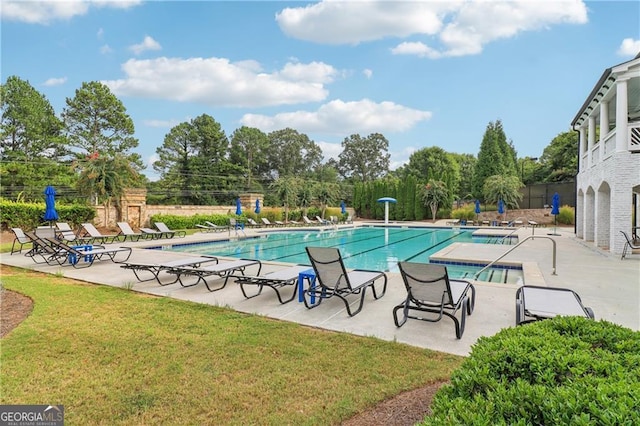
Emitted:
<point x="257" y="210"/>
<point x="500" y="206"/>
<point x="555" y="211"/>
<point x="50" y="212"/>
<point x="343" y="207"/>
<point x="555" y="204"/>
<point x="238" y="206"/>
<point x="477" y="206"/>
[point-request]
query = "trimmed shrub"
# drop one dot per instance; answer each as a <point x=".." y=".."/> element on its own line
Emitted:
<point x="566" y="370"/>
<point x="467" y="212"/>
<point x="30" y="215"/>
<point x="567" y="215"/>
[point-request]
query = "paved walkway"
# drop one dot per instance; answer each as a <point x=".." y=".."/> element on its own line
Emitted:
<point x="610" y="286"/>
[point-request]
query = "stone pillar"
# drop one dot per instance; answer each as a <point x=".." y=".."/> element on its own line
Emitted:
<point x="134" y="207"/>
<point x="248" y="201"/>
<point x="622" y="121"/>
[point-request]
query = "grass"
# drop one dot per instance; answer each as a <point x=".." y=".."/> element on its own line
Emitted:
<point x="113" y="356"/>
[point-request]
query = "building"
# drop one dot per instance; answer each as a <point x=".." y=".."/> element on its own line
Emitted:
<point x="608" y="181"/>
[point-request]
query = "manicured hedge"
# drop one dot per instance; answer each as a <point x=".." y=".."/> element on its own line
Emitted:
<point x="562" y="371"/>
<point x="30" y="215"/>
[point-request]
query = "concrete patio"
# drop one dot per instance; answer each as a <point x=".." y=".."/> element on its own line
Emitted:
<point x="610" y="286"/>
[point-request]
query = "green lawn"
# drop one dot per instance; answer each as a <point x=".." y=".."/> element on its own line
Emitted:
<point x="113" y="356"/>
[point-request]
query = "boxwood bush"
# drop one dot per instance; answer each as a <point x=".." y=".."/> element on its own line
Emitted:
<point x="27" y="216"/>
<point x="566" y="370"/>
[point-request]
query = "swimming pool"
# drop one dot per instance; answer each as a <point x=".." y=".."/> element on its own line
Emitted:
<point x="376" y="248"/>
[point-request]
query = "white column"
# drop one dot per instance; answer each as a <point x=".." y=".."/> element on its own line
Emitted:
<point x="582" y="144"/>
<point x="622" y="122"/>
<point x="604" y="119"/>
<point x="591" y="137"/>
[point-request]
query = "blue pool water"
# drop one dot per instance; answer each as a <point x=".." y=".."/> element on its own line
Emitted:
<point x="375" y="248"/>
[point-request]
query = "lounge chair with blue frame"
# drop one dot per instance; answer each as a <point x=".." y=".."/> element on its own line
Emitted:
<point x="433" y="295"/>
<point x="333" y="279"/>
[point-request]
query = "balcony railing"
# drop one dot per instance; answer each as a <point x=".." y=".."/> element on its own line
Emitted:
<point x="634" y="137"/>
<point x="609" y="144"/>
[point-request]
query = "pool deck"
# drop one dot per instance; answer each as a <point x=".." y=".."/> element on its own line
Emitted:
<point x="609" y="285"/>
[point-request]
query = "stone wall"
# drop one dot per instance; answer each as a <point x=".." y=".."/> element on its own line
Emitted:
<point x="143" y="219"/>
<point x="541" y="216"/>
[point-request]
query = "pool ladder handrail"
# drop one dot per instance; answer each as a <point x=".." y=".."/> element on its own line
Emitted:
<point x="531" y="237"/>
<point x="507" y="236"/>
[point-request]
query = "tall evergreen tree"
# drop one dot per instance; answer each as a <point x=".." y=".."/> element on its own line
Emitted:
<point x="249" y="147"/>
<point x="560" y="158"/>
<point x="96" y="120"/>
<point x="193" y="159"/>
<point x="32" y="148"/>
<point x="496" y="157"/>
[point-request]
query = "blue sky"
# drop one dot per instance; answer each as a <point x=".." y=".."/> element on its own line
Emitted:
<point x="422" y="73"/>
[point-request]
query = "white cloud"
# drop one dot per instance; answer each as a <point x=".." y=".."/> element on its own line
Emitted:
<point x="343" y="118"/>
<point x="330" y="150"/>
<point x="367" y="73"/>
<point x="147" y="44"/>
<point x="100" y="34"/>
<point x="316" y="72"/>
<point x="416" y="48"/>
<point x="340" y="22"/>
<point x="452" y="28"/>
<point x="219" y="82"/>
<point x="629" y="47"/>
<point x="44" y="12"/>
<point x="478" y="23"/>
<point x="105" y="49"/>
<point x="400" y="158"/>
<point x="55" y="81"/>
<point x="161" y="123"/>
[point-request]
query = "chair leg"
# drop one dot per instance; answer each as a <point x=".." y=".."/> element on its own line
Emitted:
<point x="472" y="301"/>
<point x="463" y="318"/>
<point x="384" y="289"/>
<point x="624" y="250"/>
<point x="346" y="303"/>
<point x="395" y="314"/>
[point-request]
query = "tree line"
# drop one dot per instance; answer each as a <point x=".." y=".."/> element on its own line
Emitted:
<point x="88" y="152"/>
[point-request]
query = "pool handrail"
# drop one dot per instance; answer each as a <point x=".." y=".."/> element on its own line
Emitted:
<point x="531" y="237"/>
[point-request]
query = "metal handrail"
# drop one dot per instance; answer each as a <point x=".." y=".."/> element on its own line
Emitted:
<point x="507" y="236"/>
<point x="531" y="237"/>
